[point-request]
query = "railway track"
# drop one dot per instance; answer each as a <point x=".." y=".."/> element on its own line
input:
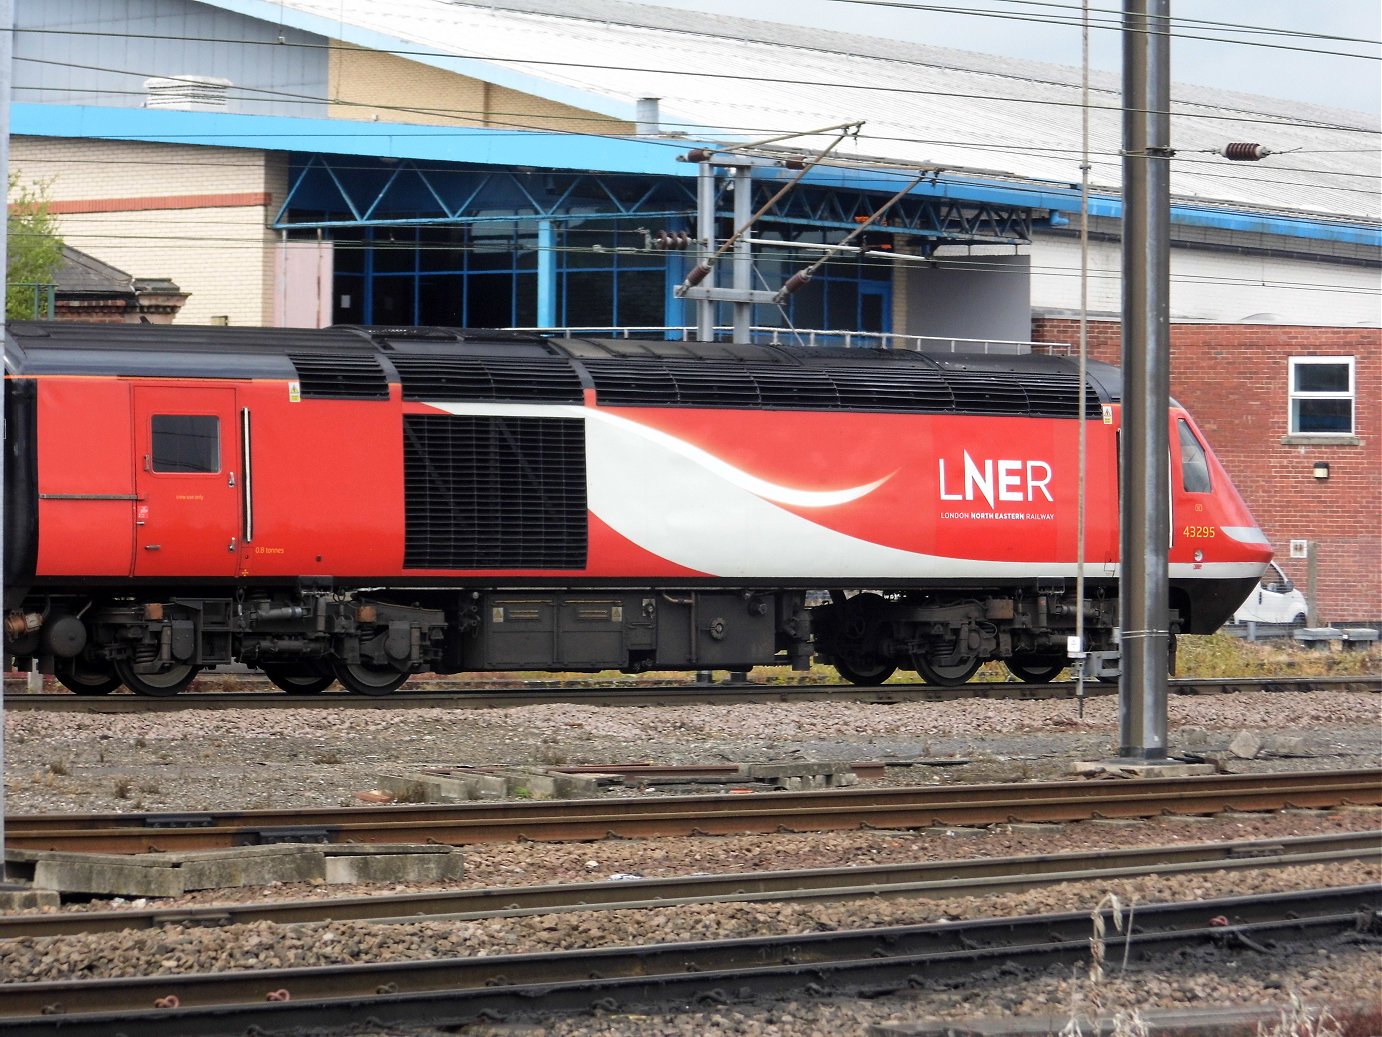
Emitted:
<point x="932" y="880"/>
<point x="867" y="962"/>
<point x="431" y="694"/>
<point x="646" y="817"/>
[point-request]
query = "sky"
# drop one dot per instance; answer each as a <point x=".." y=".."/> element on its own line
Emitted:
<point x="1330" y="78"/>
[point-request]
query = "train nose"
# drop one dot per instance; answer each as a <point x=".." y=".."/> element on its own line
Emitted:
<point x="1250" y="537"/>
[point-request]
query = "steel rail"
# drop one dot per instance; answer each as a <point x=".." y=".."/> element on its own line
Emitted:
<point x="441" y="693"/>
<point x="646" y="817"/>
<point x="665" y="976"/>
<point x="932" y="880"/>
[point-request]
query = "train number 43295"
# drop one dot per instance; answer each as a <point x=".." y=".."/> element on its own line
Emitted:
<point x="1199" y="532"/>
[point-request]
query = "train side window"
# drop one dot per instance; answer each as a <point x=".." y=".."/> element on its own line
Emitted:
<point x="186" y="443"/>
<point x="1194" y="466"/>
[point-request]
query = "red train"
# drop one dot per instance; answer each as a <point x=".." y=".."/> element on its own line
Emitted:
<point x="364" y="504"/>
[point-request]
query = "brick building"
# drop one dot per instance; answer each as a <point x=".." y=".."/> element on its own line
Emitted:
<point x="1237" y="379"/>
<point x="304" y="162"/>
<point x="94" y="292"/>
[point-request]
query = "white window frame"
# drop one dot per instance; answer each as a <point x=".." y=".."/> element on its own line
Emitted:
<point x="1293" y="396"/>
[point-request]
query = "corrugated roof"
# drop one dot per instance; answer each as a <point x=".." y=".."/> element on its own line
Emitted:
<point x="732" y="78"/>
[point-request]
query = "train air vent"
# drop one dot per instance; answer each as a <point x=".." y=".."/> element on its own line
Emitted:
<point x="987" y="392"/>
<point x="795" y="389"/>
<point x="632" y="382"/>
<point x="893" y="389"/>
<point x="336" y="376"/>
<point x="548" y="379"/>
<point x="494" y="492"/>
<point x="1058" y="396"/>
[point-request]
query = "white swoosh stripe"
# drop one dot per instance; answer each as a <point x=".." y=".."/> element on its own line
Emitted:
<point x="688" y="507"/>
<point x="730" y="474"/>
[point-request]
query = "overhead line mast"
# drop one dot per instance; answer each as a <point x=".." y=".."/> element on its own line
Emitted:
<point x="1145" y="533"/>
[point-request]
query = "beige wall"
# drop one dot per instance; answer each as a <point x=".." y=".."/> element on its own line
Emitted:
<point x="197" y="215"/>
<point x="368" y="85"/>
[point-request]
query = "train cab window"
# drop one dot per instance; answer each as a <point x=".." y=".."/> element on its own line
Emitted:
<point x="186" y="443"/>
<point x="1194" y="466"/>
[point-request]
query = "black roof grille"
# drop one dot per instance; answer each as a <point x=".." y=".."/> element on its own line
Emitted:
<point x="896" y="387"/>
<point x="795" y="389"/>
<point x="494" y="492"/>
<point x="339" y="376"/>
<point x="426" y="377"/>
<point x="987" y="392"/>
<point x="1058" y="396"/>
<point x="714" y="385"/>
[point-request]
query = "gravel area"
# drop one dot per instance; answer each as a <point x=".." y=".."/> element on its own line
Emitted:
<point x="207" y="760"/>
<point x="253" y="759"/>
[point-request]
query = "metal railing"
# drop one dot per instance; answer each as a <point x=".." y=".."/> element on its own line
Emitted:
<point x="819" y="337"/>
<point x="45" y="302"/>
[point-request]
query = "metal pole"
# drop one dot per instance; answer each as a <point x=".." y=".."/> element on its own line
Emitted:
<point x="546" y="274"/>
<point x="6" y="70"/>
<point x="1144" y="594"/>
<point x="705" y="232"/>
<point x="743" y="251"/>
<point x="1312" y="585"/>
<point x="1083" y="444"/>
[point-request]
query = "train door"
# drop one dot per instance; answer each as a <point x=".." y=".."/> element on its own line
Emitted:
<point x="187" y="512"/>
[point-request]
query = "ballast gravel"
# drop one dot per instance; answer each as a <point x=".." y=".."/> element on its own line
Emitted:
<point x="258" y="759"/>
<point x="210" y="760"/>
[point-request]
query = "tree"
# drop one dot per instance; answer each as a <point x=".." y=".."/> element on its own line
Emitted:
<point x="34" y="250"/>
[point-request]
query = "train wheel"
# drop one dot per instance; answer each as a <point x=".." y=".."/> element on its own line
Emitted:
<point x="165" y="682"/>
<point x="947" y="675"/>
<point x="1035" y="669"/>
<point x="367" y="679"/>
<point x="82" y="678"/>
<point x="867" y="672"/>
<point x="299" y="678"/>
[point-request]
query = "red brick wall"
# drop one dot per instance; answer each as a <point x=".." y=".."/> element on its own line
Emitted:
<point x="1233" y="379"/>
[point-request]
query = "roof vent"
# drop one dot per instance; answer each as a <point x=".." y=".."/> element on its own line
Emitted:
<point x="187" y="93"/>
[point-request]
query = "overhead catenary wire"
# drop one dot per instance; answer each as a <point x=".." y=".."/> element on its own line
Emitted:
<point x="1359" y="190"/>
<point x="1111" y="19"/>
<point x="804" y="275"/>
<point x="1112" y="23"/>
<point x="776" y="80"/>
<point x="200" y="244"/>
<point x="701" y="269"/>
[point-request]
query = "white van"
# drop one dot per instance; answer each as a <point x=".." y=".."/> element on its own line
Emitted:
<point x="1274" y="600"/>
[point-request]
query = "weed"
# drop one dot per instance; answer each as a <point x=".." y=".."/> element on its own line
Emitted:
<point x="1223" y="655"/>
<point x="150" y="787"/>
<point x="59" y="768"/>
<point x="1122" y="1024"/>
<point x="124" y="785"/>
<point x="552" y="756"/>
<point x="330" y="756"/>
<point x="1298" y="1020"/>
<point x="1363" y="1022"/>
<point x="141" y="742"/>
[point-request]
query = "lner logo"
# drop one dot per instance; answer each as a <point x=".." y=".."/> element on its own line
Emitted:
<point x="1006" y="480"/>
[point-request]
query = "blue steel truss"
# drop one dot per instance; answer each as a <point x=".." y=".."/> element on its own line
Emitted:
<point x="338" y="191"/>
